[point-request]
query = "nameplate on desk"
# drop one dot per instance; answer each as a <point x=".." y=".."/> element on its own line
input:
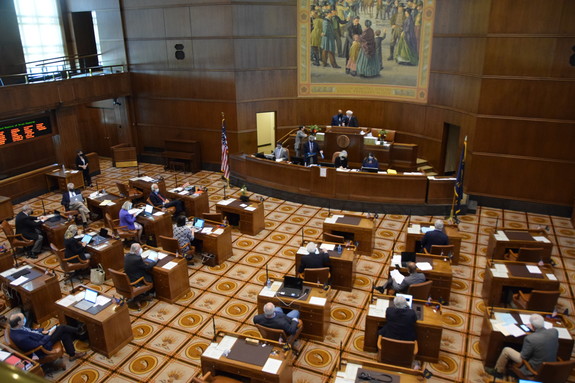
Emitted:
<point x="423" y="266"/>
<point x="250" y="208"/>
<point x="318" y="301"/>
<point x="226" y="201"/>
<point x="272" y="366"/>
<point x="541" y="238"/>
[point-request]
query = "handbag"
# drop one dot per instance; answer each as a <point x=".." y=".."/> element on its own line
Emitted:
<point x="97" y="275"/>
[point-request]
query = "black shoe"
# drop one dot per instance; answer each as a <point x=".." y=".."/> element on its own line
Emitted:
<point x="493" y="372"/>
<point x="33" y="256"/>
<point x="380" y="289"/>
<point x="81" y="329"/>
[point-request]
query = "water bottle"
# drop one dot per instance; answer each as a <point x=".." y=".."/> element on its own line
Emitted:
<point x="63" y="168"/>
<point x="339" y="250"/>
<point x="269" y="283"/>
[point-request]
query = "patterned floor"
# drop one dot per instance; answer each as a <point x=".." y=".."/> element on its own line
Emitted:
<point x="169" y="339"/>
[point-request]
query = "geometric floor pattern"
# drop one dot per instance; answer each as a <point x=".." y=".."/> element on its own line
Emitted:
<point x="169" y="338"/>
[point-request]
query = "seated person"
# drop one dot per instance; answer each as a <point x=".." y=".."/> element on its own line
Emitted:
<point x="274" y="317"/>
<point x="135" y="267"/>
<point x="74" y="246"/>
<point x="370" y="162"/>
<point x="184" y="235"/>
<point x="159" y="201"/>
<point x="314" y="259"/>
<point x="338" y="119"/>
<point x="435" y="237"/>
<point x="27" y="339"/>
<point x="341" y="160"/>
<point x="538" y="347"/>
<point x="129" y="220"/>
<point x="400" y="323"/>
<point x="77" y="205"/>
<point x="413" y="278"/>
<point x="29" y="227"/>
<point x="281" y="153"/>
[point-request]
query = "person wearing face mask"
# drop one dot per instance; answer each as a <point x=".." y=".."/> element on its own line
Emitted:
<point x="370" y="162"/>
<point x="280" y="153"/>
<point x="159" y="201"/>
<point x="135" y="267"/>
<point x="70" y="201"/>
<point x="129" y="220"/>
<point x="341" y="160"/>
<point x="29" y="227"/>
<point x="82" y="164"/>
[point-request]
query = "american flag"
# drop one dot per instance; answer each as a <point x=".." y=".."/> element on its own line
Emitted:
<point x="458" y="188"/>
<point x="225" y="163"/>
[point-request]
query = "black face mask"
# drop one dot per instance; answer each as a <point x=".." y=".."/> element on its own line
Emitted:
<point x="31" y="212"/>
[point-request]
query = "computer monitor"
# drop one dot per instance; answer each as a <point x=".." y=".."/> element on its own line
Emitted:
<point x="369" y="170"/>
<point x="199" y="223"/>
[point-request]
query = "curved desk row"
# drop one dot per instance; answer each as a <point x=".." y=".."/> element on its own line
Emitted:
<point x="329" y="183"/>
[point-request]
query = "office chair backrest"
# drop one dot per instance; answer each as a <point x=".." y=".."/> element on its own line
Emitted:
<point x="7" y="229"/>
<point x="420" y="290"/>
<point x="123" y="189"/>
<point x="121" y="283"/>
<point x="169" y="244"/>
<point x="555" y="372"/>
<point x="530" y="254"/>
<point x="396" y="352"/>
<point x="271" y="333"/>
<point x="328" y="237"/>
<point x="320" y="275"/>
<point x="545" y="301"/>
<point x="446" y="250"/>
<point x="216" y="217"/>
<point x="334" y="156"/>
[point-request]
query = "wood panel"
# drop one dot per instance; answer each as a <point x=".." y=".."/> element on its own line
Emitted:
<point x="458" y="54"/>
<point x="462" y="17"/>
<point x="535" y="17"/>
<point x="25" y="185"/>
<point x="10" y="44"/>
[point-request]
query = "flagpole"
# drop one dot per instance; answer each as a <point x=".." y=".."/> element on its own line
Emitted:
<point x="460" y="173"/>
<point x="226" y="148"/>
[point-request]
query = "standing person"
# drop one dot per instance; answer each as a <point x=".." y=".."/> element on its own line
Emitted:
<point x="396" y="29"/>
<point x="129" y="220"/>
<point x="74" y="246"/>
<point x="350" y="119"/>
<point x="82" y="164"/>
<point x="70" y="202"/>
<point x="328" y="44"/>
<point x="337" y="22"/>
<point x="407" y="53"/>
<point x="417" y="23"/>
<point x="315" y="36"/>
<point x="378" y="51"/>
<point x="311" y="150"/>
<point x="353" y="28"/>
<point x="185" y="236"/>
<point x="435" y="237"/>
<point x="367" y="64"/>
<point x="337" y="120"/>
<point x="299" y="136"/>
<point x="29" y="227"/>
<point x="351" y="66"/>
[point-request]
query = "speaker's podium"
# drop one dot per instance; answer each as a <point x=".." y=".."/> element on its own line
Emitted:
<point x="124" y="156"/>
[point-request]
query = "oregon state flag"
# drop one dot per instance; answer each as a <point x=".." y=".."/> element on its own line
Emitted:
<point x="458" y="188"/>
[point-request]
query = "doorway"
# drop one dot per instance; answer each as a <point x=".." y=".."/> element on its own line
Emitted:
<point x="85" y="39"/>
<point x="266" y="131"/>
<point x="450" y="148"/>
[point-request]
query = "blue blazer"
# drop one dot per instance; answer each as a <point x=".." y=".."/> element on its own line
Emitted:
<point x="28" y="340"/>
<point x="280" y="322"/>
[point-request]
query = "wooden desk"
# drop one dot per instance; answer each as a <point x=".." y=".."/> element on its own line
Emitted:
<point x="355" y="228"/>
<point x="6" y="261"/>
<point x="405" y="375"/>
<point x="170" y="284"/>
<point x="429" y="329"/>
<point x="109" y="254"/>
<point x="146" y="186"/>
<point x="440" y="190"/>
<point x="441" y="275"/>
<point x="124" y="156"/>
<point x="505" y="239"/>
<point x="55" y="231"/>
<point x="187" y="151"/>
<point x="6" y="208"/>
<point x="315" y="318"/>
<point x="157" y="225"/>
<point x="342" y="266"/>
<point x="113" y="210"/>
<point x="452" y="232"/>
<point x="108" y="331"/>
<point x="244" y="369"/>
<point x="195" y="204"/>
<point x="218" y="245"/>
<point x="492" y="341"/>
<point x="60" y="179"/>
<point x="251" y="222"/>
<point x="37" y="295"/>
<point x="35" y="367"/>
<point x="516" y="276"/>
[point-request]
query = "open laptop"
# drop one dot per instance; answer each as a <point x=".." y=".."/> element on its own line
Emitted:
<point x="407" y="256"/>
<point x="86" y="238"/>
<point x="150" y="256"/>
<point x="148" y="210"/>
<point x="199" y="223"/>
<point x="88" y="301"/>
<point x="292" y="287"/>
<point x="369" y="170"/>
<point x="76" y="198"/>
<point x="408" y="298"/>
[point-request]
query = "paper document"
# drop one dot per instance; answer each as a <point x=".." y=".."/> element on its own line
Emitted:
<point x="563" y="333"/>
<point x="170" y="265"/>
<point x="218" y="231"/>
<point x="206" y="230"/>
<point x="327" y="246"/>
<point x="213" y="352"/>
<point x="183" y="192"/>
<point x="67" y="300"/>
<point x="379" y="308"/>
<point x="272" y="366"/>
<point x="135" y="211"/>
<point x="4" y="355"/>
<point x="551" y="277"/>
<point x="330" y="220"/>
<point x="226" y="201"/>
<point x="250" y="208"/>
<point x="102" y="300"/>
<point x="158" y="213"/>
<point x="541" y="238"/>
<point x="243" y="205"/>
<point x="514" y="330"/>
<point x="162" y="255"/>
<point x="500" y="267"/>
<point x="396" y="260"/>
<point x="317" y="301"/>
<point x="505" y="318"/>
<point x="226" y="343"/>
<point x="524" y="318"/>
<point x="397" y="276"/>
<point x="534" y="269"/>
<point x="423" y="266"/>
<point x="19" y="281"/>
<point x="547" y="324"/>
<point x="302" y="250"/>
<point x="351" y="370"/>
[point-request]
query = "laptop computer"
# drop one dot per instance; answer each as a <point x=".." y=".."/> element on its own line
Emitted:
<point x="408" y="298"/>
<point x="86" y="238"/>
<point x="199" y="223"/>
<point x="407" y="256"/>
<point x="150" y="256"/>
<point x="76" y="198"/>
<point x="147" y="211"/>
<point x="88" y="301"/>
<point x="369" y="170"/>
<point x="292" y="287"/>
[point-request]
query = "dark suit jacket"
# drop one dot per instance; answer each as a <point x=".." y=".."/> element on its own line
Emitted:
<point x="337" y="120"/>
<point x="313" y="261"/>
<point x="400" y="324"/>
<point x="311" y="154"/>
<point x="411" y="279"/>
<point x="66" y="198"/>
<point x="351" y="121"/>
<point x="79" y="162"/>
<point x="156" y="200"/>
<point x="135" y="267"/>
<point x="27" y="225"/>
<point x="339" y="161"/>
<point x="280" y="321"/>
<point x="540" y="346"/>
<point x="29" y="340"/>
<point x="434" y="237"/>
<point x="74" y="247"/>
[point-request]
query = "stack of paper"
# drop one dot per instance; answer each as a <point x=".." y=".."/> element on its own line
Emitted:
<point x="226" y="201"/>
<point x="501" y="236"/>
<point x="218" y="231"/>
<point x="170" y="265"/>
<point x="423" y="266"/>
<point x="396" y="260"/>
<point x="541" y="238"/>
<point x="397" y="276"/>
<point x="379" y="308"/>
<point x="327" y="246"/>
<point x="250" y="208"/>
<point x="414" y="229"/>
<point x="213" y="352"/>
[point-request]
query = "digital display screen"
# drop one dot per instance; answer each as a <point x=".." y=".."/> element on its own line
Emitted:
<point x="24" y="129"/>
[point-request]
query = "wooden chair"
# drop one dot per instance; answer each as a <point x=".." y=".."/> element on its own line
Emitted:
<point x="320" y="275"/>
<point x="49" y="355"/>
<point x="171" y="209"/>
<point x="527" y="254"/>
<point x="128" y="289"/>
<point x="208" y="377"/>
<point x="130" y="193"/>
<point x="536" y="300"/>
<point x="420" y="290"/>
<point x="17" y="241"/>
<point x="396" y="352"/>
<point x="549" y="372"/>
<point x="216" y="217"/>
<point x="334" y="156"/>
<point x="328" y="237"/>
<point x="120" y="231"/>
<point x="70" y="268"/>
<point x="276" y="334"/>
<point x="173" y="246"/>
<point x="446" y="250"/>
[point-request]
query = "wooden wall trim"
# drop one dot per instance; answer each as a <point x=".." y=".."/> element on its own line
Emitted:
<point x="515" y="198"/>
<point x="187" y="4"/>
<point x="518" y="157"/>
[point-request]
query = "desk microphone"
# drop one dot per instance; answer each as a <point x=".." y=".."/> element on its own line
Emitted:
<point x="176" y="179"/>
<point x="214" y="326"/>
<point x="43" y="208"/>
<point x="225" y="191"/>
<point x="340" y="354"/>
<point x="328" y="207"/>
<point x="302" y="240"/>
<point x="97" y="188"/>
<point x="496" y="224"/>
<point x="267" y="277"/>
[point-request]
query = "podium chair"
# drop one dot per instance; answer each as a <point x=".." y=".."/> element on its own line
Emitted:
<point x="420" y="290"/>
<point x="396" y="352"/>
<point x="549" y="372"/>
<point x="49" y="356"/>
<point x="527" y="254"/>
<point x="17" y="241"/>
<point x="70" y="268"/>
<point x="320" y="275"/>
<point x="276" y="334"/>
<point x="130" y="290"/>
<point x="536" y="300"/>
